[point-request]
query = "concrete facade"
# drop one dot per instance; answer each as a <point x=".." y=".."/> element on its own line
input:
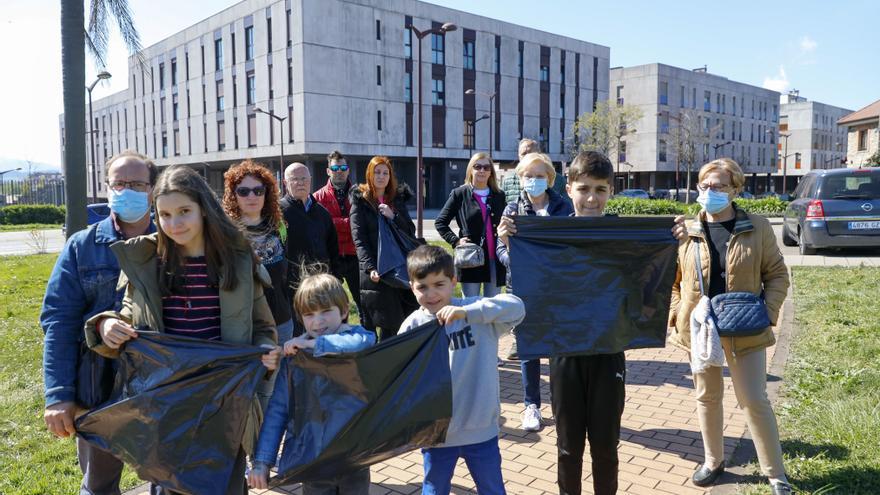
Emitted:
<point x="336" y="70"/>
<point x="814" y="134"/>
<point x="863" y="134"/>
<point x="741" y="113"/>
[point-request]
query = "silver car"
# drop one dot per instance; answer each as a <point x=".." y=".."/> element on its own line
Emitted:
<point x="834" y="209"/>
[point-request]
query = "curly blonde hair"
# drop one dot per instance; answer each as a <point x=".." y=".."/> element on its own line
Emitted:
<point x="232" y="178"/>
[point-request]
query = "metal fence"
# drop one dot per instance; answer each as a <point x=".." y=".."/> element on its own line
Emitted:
<point x="34" y="190"/>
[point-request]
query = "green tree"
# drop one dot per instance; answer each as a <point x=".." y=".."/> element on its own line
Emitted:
<point x="74" y="39"/>
<point x="874" y="160"/>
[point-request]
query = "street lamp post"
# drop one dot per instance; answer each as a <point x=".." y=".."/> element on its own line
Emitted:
<point x="720" y="145"/>
<point x="101" y="76"/>
<point x="473" y="139"/>
<point x="280" y="120"/>
<point x="420" y="172"/>
<point x="2" y="185"/>
<point x="491" y="97"/>
<point x="785" y="137"/>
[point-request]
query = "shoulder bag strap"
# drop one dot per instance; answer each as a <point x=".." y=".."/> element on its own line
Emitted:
<point x="699" y="267"/>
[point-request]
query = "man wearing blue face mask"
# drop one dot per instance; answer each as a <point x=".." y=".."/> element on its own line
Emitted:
<point x="82" y="284"/>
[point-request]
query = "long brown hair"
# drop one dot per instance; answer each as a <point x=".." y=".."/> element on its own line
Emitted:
<point x="271" y="211"/>
<point x="469" y="174"/>
<point x="222" y="237"/>
<point x="369" y="190"/>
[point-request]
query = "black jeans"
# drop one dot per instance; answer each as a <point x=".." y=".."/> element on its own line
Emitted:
<point x="101" y="471"/>
<point x="587" y="396"/>
<point x="349" y="270"/>
<point x="354" y="483"/>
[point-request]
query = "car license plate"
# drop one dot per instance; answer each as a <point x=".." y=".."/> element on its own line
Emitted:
<point x="864" y="225"/>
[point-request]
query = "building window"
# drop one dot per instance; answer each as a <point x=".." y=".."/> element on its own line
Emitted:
<point x="287" y="25"/>
<point x="379" y="120"/>
<point x="175" y="108"/>
<point x="174" y="72"/>
<point x="619" y="91"/>
<point x="289" y="77"/>
<point x="378" y="75"/>
<point x="252" y="131"/>
<point x="717" y="102"/>
<point x="176" y="142"/>
<point x="269" y="35"/>
<point x="661" y="151"/>
<point x="468" y="138"/>
<point x="164" y="145"/>
<point x="438" y="49"/>
<point x="468" y="51"/>
<point x="186" y="65"/>
<point x="545" y="73"/>
<point x="664" y="123"/>
<point x="161" y="110"/>
<point x="218" y="54"/>
<point x="378" y="30"/>
<point x="407" y="43"/>
<point x="682" y="101"/>
<point x="438" y="93"/>
<point x="290" y="124"/>
<point x="544" y="139"/>
<point x="203" y="62"/>
<point x="694" y="98"/>
<point x="161" y="76"/>
<point x="621" y="153"/>
<point x="520" y="62"/>
<point x="407" y="87"/>
<point x="249" y="43"/>
<point x="271" y="89"/>
<point x="234" y="92"/>
<point x="251" y="88"/>
<point x="235" y="131"/>
<point x="232" y="44"/>
<point x="707" y="101"/>
<point x="498" y="58"/>
<point x="221" y="136"/>
<point x="863" y="140"/>
<point x="664" y="93"/>
<point x="220" y="105"/>
<point x="775" y="113"/>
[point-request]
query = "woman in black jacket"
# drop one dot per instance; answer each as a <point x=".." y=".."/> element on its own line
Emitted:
<point x="385" y="306"/>
<point x="476" y="207"/>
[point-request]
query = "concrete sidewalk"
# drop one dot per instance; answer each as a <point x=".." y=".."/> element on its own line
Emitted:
<point x="660" y="438"/>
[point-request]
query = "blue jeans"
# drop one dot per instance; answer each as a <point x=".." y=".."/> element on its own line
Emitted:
<point x="483" y="461"/>
<point x="531" y="381"/>
<point x="490" y="288"/>
<point x="264" y="390"/>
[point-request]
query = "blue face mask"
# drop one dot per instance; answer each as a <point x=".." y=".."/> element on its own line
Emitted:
<point x="534" y="186"/>
<point x="713" y="201"/>
<point x="129" y="205"/>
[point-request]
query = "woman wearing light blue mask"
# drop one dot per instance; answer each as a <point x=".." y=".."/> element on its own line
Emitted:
<point x="737" y="252"/>
<point x="536" y="174"/>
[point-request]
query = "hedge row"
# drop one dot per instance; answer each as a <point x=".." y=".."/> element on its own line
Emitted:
<point x="24" y="214"/>
<point x="632" y="206"/>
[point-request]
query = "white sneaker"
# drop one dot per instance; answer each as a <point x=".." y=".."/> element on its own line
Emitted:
<point x="531" y="418"/>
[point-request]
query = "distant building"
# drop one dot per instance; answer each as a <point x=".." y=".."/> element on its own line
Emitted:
<point x="741" y="113"/>
<point x="343" y="75"/>
<point x="814" y="137"/>
<point x="863" y="136"/>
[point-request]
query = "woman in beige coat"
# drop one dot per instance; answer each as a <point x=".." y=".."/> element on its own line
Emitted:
<point x="737" y="252"/>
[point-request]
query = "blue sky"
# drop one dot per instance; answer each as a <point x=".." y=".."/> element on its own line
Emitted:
<point x="827" y="50"/>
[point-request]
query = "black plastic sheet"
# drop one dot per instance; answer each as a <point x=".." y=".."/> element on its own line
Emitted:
<point x="182" y="409"/>
<point x="354" y="410"/>
<point x="592" y="285"/>
<point x="393" y="247"/>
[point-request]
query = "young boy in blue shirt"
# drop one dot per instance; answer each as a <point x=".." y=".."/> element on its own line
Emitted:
<point x="321" y="303"/>
<point x="473" y="327"/>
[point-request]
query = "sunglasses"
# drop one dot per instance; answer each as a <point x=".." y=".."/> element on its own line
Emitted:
<point x="480" y="166"/>
<point x="246" y="191"/>
<point x="338" y="168"/>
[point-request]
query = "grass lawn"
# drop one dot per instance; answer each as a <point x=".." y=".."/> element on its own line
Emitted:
<point x="29" y="226"/>
<point x="829" y="415"/>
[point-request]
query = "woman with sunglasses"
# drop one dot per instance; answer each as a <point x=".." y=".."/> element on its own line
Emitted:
<point x="250" y="198"/>
<point x="476" y="207"/>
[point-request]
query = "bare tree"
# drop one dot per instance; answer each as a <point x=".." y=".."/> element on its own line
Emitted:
<point x="690" y="140"/>
<point x="604" y="130"/>
<point x="74" y="40"/>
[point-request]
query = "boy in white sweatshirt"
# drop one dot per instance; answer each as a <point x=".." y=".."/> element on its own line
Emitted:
<point x="473" y="327"/>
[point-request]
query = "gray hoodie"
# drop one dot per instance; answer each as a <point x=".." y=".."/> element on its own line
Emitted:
<point x="473" y="362"/>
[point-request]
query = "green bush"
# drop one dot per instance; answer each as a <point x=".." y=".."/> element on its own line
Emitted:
<point x="22" y="214"/>
<point x="632" y="206"/>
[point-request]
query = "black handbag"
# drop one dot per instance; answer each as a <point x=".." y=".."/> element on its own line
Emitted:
<point x="736" y="314"/>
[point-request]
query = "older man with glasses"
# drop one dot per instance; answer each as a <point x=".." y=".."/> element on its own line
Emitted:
<point x="311" y="235"/>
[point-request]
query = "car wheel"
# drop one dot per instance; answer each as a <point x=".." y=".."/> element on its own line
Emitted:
<point x="802" y="244"/>
<point x="787" y="239"/>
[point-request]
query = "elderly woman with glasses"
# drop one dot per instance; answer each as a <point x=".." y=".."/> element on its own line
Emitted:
<point x="476" y="207"/>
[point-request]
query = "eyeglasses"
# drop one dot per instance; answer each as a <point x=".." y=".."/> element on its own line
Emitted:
<point x="244" y="192"/>
<point x="298" y="179"/>
<point x="339" y="168"/>
<point x="135" y="185"/>
<point x="714" y="187"/>
<point x="481" y="166"/>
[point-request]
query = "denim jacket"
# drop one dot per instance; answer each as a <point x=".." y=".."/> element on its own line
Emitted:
<point x="280" y="407"/>
<point x="82" y="284"/>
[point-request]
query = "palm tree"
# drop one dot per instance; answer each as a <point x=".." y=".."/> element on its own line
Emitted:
<point x="74" y="39"/>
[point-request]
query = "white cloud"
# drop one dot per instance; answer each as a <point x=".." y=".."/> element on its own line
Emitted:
<point x="808" y="45"/>
<point x="779" y="82"/>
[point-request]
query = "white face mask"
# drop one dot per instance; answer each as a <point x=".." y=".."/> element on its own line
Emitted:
<point x="534" y="186"/>
<point x="713" y="201"/>
<point x="129" y="205"/>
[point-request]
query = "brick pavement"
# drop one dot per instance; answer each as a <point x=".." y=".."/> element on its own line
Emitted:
<point x="660" y="438"/>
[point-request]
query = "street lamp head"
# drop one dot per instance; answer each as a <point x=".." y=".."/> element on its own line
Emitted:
<point x="258" y="109"/>
<point x="470" y="92"/>
<point x="448" y="27"/>
<point x="104" y="75"/>
<point x="485" y="116"/>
